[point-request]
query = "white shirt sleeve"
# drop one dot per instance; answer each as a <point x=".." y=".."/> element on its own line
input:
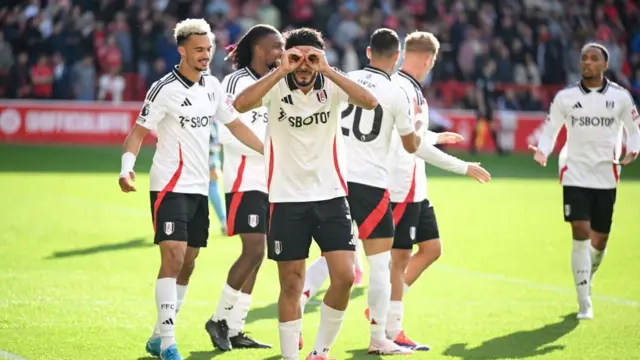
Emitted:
<point x="402" y="113"/>
<point x="554" y="122"/>
<point x="225" y="113"/>
<point x="629" y="117"/>
<point x="152" y="112"/>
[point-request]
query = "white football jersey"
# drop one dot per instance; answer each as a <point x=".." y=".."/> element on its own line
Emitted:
<point x="243" y="168"/>
<point x="594" y="119"/>
<point x="367" y="133"/>
<point x="407" y="177"/>
<point x="181" y="112"/>
<point x="304" y="150"/>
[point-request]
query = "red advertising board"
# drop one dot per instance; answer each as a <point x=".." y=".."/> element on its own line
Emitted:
<point x="103" y="123"/>
<point x="67" y="122"/>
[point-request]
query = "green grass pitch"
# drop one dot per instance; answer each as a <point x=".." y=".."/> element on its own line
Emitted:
<point x="77" y="269"/>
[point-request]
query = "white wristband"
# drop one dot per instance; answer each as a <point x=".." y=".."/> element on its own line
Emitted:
<point x="128" y="161"/>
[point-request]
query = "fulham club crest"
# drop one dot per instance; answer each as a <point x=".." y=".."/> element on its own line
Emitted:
<point x="169" y="227"/>
<point x="322" y="96"/>
<point x="253" y="220"/>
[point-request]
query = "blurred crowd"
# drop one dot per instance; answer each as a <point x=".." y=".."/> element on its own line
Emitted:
<point x="519" y="52"/>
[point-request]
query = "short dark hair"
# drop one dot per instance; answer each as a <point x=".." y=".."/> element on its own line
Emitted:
<point x="384" y="42"/>
<point x="303" y="37"/>
<point x="242" y="52"/>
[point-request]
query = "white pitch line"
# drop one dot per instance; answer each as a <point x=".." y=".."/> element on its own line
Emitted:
<point x="534" y="285"/>
<point x="10" y="356"/>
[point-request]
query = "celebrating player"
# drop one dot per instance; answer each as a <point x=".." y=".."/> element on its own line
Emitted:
<point x="307" y="188"/>
<point x="368" y="136"/>
<point x="246" y="191"/>
<point x="180" y="107"/>
<point x="594" y="112"/>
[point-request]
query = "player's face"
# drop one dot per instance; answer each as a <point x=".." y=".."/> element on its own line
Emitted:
<point x="304" y="75"/>
<point x="592" y="63"/>
<point x="272" y="47"/>
<point x="197" y="52"/>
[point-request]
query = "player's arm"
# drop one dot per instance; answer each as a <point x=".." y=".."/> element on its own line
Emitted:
<point x="224" y="136"/>
<point x="228" y="115"/>
<point x="256" y="95"/>
<point x="153" y="111"/>
<point x="444" y="161"/>
<point x="550" y="131"/>
<point x="629" y="117"/>
<point x="357" y="94"/>
<point x="404" y="122"/>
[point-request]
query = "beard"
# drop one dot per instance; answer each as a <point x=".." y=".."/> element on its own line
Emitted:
<point x="304" y="83"/>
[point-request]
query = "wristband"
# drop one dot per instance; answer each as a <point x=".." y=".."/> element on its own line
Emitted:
<point x="128" y="160"/>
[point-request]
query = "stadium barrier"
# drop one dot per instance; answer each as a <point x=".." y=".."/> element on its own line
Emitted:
<point x="104" y="123"/>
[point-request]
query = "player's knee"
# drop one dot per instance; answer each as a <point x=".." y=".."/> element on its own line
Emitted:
<point x="599" y="240"/>
<point x="291" y="285"/>
<point x="580" y="230"/>
<point x="344" y="281"/>
<point x="253" y="248"/>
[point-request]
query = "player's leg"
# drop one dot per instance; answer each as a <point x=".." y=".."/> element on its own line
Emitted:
<point x="359" y="264"/>
<point x="214" y="191"/>
<point x="288" y="242"/>
<point x="334" y="237"/>
<point x="405" y="217"/>
<point x="601" y="219"/>
<point x="170" y="213"/>
<point x="248" y="217"/>
<point x="577" y="212"/>
<point x="316" y="275"/>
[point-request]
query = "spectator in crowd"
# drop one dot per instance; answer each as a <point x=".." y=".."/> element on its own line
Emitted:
<point x="111" y="86"/>
<point x="42" y="78"/>
<point x="62" y="86"/>
<point x="84" y="79"/>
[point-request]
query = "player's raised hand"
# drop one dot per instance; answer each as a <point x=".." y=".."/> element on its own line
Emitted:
<point x="538" y="155"/>
<point x="317" y="60"/>
<point x="127" y="182"/>
<point x="475" y="171"/>
<point x="629" y="158"/>
<point x="449" y="138"/>
<point x="291" y="59"/>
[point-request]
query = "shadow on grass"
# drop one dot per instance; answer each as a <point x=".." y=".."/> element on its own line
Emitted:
<point x="271" y="311"/>
<point x="518" y="345"/>
<point x="131" y="244"/>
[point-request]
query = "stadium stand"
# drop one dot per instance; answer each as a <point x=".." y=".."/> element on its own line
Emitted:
<point x="113" y="49"/>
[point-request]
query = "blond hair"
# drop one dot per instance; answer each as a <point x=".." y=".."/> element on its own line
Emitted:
<point x="422" y="41"/>
<point x="188" y="27"/>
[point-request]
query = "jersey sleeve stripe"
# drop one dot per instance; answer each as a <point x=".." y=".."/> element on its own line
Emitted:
<point x="233" y="81"/>
<point x="154" y="91"/>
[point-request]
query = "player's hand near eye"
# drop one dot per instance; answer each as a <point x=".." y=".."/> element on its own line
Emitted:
<point x="291" y="59"/>
<point x="317" y="60"/>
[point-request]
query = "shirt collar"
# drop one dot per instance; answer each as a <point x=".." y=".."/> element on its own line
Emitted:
<point x="413" y="80"/>
<point x="374" y="69"/>
<point x="318" y="83"/>
<point x="186" y="82"/>
<point x="602" y="89"/>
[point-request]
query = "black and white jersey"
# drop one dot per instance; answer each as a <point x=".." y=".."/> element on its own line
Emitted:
<point x="304" y="150"/>
<point x="182" y="112"/>
<point x="243" y="168"/>
<point x="594" y="119"/>
<point x="367" y="133"/>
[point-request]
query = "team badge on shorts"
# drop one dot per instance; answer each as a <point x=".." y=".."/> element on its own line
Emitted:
<point x="322" y="96"/>
<point x="412" y="232"/>
<point x="277" y="247"/>
<point x="254" y="220"/>
<point x="567" y="209"/>
<point x="169" y="226"/>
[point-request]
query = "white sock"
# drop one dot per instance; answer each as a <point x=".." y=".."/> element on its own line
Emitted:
<point x="226" y="303"/>
<point x="405" y="289"/>
<point x="394" y="319"/>
<point x="596" y="259"/>
<point x="359" y="252"/>
<point x="166" y="299"/>
<point x="289" y="335"/>
<point x="581" y="265"/>
<point x="330" y="323"/>
<point x="378" y="297"/>
<point x="238" y="315"/>
<point x="317" y="274"/>
<point x="181" y="291"/>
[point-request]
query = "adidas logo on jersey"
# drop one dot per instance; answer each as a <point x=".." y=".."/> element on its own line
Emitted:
<point x="287" y="100"/>
<point x="186" y="102"/>
<point x="577" y="105"/>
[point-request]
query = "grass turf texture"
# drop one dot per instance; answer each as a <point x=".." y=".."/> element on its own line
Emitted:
<point x="77" y="269"/>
